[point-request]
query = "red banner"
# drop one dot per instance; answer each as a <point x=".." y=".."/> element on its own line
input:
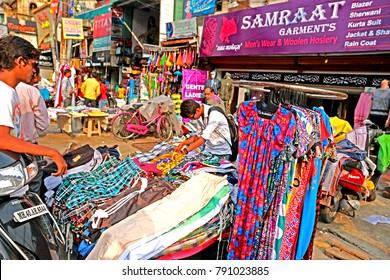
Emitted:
<point x="102" y="25"/>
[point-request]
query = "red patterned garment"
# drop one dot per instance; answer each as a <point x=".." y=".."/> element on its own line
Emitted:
<point x="293" y="216"/>
<point x="260" y="141"/>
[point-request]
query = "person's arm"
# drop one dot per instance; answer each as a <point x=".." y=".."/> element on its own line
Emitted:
<point x="199" y="141"/>
<point x="387" y="124"/>
<point x="11" y="143"/>
<point x="192" y="142"/>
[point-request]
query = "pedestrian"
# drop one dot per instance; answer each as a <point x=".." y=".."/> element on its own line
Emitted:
<point x="103" y="94"/>
<point x="213" y="130"/>
<point x="34" y="119"/>
<point x="212" y="99"/>
<point x="121" y="92"/>
<point x="380" y="108"/>
<point x="91" y="90"/>
<point x="67" y="88"/>
<point x="18" y="62"/>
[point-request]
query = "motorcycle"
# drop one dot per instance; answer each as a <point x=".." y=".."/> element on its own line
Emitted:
<point x="357" y="180"/>
<point x="28" y="231"/>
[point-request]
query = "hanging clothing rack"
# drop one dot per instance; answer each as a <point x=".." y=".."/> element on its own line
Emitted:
<point x="309" y="91"/>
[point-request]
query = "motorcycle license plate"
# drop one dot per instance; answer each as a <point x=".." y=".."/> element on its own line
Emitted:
<point x="30" y="213"/>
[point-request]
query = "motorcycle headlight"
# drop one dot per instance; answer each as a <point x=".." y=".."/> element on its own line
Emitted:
<point x="14" y="177"/>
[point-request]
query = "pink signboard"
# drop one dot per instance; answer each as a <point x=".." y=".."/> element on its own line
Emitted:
<point x="193" y="83"/>
<point x="299" y="27"/>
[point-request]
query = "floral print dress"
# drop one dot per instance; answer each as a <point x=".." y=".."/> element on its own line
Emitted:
<point x="261" y="144"/>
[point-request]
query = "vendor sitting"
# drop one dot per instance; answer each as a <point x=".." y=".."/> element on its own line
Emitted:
<point x="213" y="130"/>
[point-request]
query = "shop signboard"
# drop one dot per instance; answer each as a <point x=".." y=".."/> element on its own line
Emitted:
<point x="22" y="26"/>
<point x="84" y="48"/>
<point x="102" y="44"/>
<point x="193" y="84"/>
<point x="195" y="8"/>
<point x="181" y="29"/>
<point x="100" y="59"/>
<point x="102" y="25"/>
<point x="46" y="59"/>
<point x="44" y="21"/>
<point x="299" y="27"/>
<point x="73" y="28"/>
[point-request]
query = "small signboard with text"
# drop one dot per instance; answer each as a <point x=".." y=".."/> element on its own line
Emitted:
<point x="73" y="28"/>
<point x="181" y="29"/>
<point x="193" y="84"/>
<point x="196" y="8"/>
<point x="22" y="26"/>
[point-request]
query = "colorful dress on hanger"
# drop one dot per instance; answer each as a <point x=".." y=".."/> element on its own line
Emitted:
<point x="261" y="141"/>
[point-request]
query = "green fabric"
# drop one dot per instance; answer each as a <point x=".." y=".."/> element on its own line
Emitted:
<point x="384" y="152"/>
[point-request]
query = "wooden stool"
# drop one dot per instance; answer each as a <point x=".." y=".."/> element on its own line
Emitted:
<point x="92" y="126"/>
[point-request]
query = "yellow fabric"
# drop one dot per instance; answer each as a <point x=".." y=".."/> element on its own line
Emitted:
<point x="77" y="114"/>
<point x="368" y="184"/>
<point x="171" y="161"/>
<point x="91" y="88"/>
<point x="121" y="92"/>
<point x="340" y="128"/>
<point x="97" y="114"/>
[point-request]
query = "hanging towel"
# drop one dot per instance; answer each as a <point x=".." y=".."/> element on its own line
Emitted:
<point x="163" y="59"/>
<point x="179" y="61"/>
<point x="362" y="109"/>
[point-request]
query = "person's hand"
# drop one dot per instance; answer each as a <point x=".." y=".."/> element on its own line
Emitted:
<point x="61" y="164"/>
<point x="387" y="124"/>
<point x="179" y="147"/>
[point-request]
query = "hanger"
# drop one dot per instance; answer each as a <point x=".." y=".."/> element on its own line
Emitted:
<point x="266" y="107"/>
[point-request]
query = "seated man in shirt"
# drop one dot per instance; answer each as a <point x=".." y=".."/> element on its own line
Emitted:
<point x="212" y="99"/>
<point x="213" y="130"/>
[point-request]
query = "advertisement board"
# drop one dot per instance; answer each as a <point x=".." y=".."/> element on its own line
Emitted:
<point x="193" y="84"/>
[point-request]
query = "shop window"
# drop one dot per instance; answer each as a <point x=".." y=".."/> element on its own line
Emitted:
<point x="218" y="5"/>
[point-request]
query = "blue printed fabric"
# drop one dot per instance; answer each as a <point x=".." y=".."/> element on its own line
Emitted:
<point x="347" y="147"/>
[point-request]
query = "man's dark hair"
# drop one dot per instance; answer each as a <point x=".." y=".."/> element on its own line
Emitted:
<point x="66" y="71"/>
<point x="188" y="108"/>
<point x="12" y="47"/>
<point x="94" y="75"/>
<point x="211" y="89"/>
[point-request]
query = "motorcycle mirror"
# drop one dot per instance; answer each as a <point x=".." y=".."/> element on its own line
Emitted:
<point x="367" y="122"/>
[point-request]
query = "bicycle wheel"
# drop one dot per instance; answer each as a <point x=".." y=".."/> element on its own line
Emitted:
<point x="119" y="125"/>
<point x="164" y="129"/>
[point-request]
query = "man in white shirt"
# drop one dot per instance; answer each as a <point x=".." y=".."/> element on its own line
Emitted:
<point x="213" y="130"/>
<point x="18" y="60"/>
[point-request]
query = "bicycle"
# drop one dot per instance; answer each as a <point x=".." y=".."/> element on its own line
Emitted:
<point x="127" y="125"/>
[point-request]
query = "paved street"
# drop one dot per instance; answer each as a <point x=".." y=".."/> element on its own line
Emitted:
<point x="346" y="238"/>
